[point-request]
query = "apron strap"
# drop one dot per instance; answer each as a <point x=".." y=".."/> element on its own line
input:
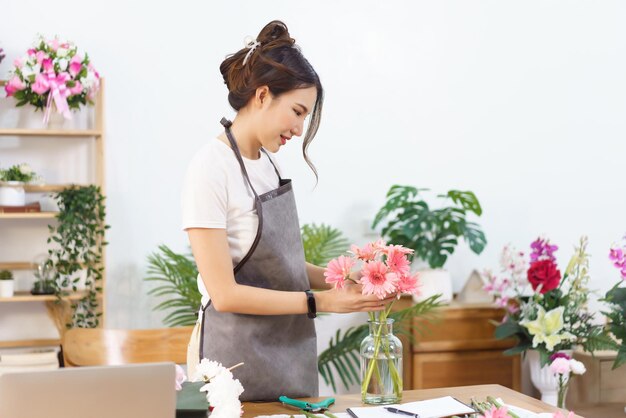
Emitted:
<point x="227" y="124"/>
<point x="280" y="179"/>
<point x="257" y="201"/>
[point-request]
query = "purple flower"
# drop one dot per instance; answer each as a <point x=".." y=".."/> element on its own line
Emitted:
<point x="559" y="355"/>
<point x="617" y="256"/>
<point x="542" y="250"/>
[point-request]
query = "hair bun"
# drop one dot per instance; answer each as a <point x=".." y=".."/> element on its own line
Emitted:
<point x="276" y="33"/>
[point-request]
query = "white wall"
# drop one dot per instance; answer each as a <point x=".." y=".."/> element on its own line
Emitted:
<point x="521" y="102"/>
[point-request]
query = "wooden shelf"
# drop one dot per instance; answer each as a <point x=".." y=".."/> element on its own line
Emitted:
<point x="35" y="188"/>
<point x="59" y="133"/>
<point x="60" y="313"/>
<point x="29" y="343"/>
<point x="32" y="215"/>
<point x="16" y="265"/>
<point x="27" y="297"/>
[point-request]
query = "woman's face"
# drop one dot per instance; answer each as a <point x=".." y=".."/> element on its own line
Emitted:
<point x="282" y="117"/>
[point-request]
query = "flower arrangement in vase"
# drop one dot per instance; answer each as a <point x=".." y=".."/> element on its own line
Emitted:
<point x="547" y="311"/>
<point x="53" y="72"/>
<point x="382" y="270"/>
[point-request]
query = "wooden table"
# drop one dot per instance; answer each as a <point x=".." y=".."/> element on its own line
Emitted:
<point x="463" y="393"/>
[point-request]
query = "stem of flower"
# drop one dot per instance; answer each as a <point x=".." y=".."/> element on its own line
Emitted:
<point x="235" y="366"/>
<point x="374" y="363"/>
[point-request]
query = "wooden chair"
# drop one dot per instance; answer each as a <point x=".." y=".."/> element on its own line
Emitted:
<point x="99" y="347"/>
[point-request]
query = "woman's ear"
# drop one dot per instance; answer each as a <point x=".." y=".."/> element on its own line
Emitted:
<point x="262" y="95"/>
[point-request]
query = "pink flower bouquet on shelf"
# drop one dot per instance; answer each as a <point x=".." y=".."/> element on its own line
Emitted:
<point x="53" y="72"/>
<point x="382" y="270"/>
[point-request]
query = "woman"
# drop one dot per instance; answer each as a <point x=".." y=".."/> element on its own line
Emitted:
<point x="242" y="224"/>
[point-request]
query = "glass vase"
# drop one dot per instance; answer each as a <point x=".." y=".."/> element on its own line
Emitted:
<point x="381" y="364"/>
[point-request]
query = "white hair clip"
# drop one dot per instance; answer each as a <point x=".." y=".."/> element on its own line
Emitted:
<point x="251" y="44"/>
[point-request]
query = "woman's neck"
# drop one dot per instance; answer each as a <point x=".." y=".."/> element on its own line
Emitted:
<point x="248" y="144"/>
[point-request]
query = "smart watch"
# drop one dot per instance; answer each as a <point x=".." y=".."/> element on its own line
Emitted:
<point x="310" y="303"/>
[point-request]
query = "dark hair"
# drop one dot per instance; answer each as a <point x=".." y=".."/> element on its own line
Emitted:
<point x="278" y="64"/>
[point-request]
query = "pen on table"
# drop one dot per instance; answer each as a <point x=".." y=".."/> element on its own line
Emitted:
<point x="400" y="411"/>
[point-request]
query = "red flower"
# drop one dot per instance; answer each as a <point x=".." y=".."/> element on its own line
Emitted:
<point x="545" y="273"/>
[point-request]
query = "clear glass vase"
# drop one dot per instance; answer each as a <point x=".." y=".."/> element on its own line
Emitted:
<point x="381" y="364"/>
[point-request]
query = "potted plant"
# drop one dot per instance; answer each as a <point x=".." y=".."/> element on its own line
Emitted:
<point x="7" y="284"/>
<point x="433" y="234"/>
<point x="44" y="285"/>
<point x="12" y="181"/>
<point x="77" y="255"/>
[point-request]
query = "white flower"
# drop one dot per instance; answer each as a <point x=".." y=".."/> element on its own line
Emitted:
<point x="63" y="63"/>
<point x="229" y="410"/>
<point x="223" y="389"/>
<point x="577" y="367"/>
<point x="89" y="81"/>
<point x="30" y="69"/>
<point x="61" y="52"/>
<point x="513" y="260"/>
<point x="207" y="370"/>
<point x="25" y="169"/>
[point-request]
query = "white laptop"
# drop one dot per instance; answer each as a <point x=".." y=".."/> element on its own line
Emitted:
<point x="132" y="391"/>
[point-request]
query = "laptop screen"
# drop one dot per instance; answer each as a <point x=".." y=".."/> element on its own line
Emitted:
<point x="133" y="391"/>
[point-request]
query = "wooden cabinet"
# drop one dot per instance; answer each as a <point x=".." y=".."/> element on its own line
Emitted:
<point x="457" y="347"/>
<point x="600" y="384"/>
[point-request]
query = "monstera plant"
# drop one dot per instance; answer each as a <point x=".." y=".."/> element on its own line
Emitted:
<point x="433" y="233"/>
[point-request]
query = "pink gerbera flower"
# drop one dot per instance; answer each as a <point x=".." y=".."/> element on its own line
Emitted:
<point x="496" y="413"/>
<point x="338" y="270"/>
<point x="397" y="260"/>
<point x="367" y="253"/>
<point x="377" y="279"/>
<point x="408" y="284"/>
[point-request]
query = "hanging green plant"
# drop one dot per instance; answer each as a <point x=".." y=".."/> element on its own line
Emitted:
<point x="79" y="243"/>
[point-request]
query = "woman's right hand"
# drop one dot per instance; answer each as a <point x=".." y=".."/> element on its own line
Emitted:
<point x="349" y="299"/>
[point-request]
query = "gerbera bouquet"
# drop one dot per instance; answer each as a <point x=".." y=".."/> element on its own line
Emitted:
<point x="546" y="310"/>
<point x="383" y="270"/>
<point x="53" y="71"/>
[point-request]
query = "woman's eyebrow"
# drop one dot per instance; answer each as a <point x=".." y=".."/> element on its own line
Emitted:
<point x="306" y="110"/>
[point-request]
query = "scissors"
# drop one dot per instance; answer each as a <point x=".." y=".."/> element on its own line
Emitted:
<point x="308" y="406"/>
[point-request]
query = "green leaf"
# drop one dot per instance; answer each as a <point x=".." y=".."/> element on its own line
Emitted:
<point x="407" y="220"/>
<point x="178" y="274"/>
<point x="508" y="329"/>
<point x="467" y="200"/>
<point x="322" y="243"/>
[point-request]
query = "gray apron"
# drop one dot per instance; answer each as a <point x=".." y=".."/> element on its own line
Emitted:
<point x="279" y="351"/>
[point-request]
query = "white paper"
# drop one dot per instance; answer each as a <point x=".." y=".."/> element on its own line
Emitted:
<point x="431" y="408"/>
<point x="337" y="414"/>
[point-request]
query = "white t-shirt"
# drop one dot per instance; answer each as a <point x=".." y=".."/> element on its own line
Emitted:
<point x="216" y="195"/>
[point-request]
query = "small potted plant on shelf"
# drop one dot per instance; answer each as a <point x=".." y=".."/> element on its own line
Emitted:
<point x="44" y="285"/>
<point x="433" y="234"/>
<point x="7" y="284"/>
<point x="12" y="182"/>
